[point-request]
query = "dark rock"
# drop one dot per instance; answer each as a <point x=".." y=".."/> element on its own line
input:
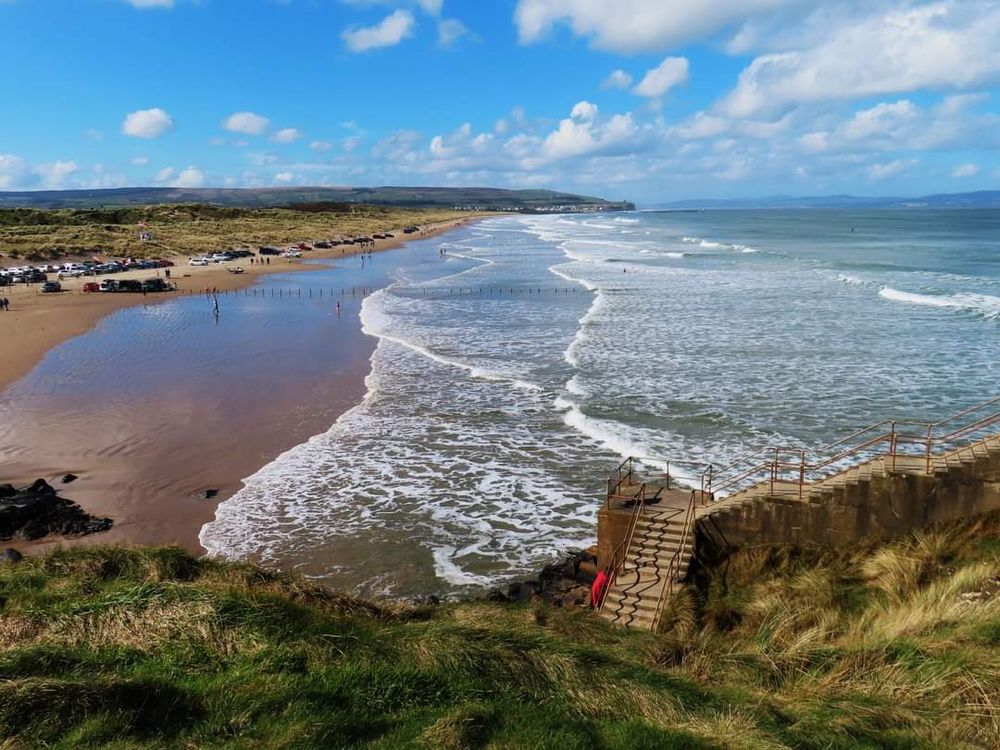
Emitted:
<point x="522" y="591"/>
<point x="7" y="490"/>
<point x="11" y="555"/>
<point x="496" y="595"/>
<point x="208" y="494"/>
<point x="37" y="511"/>
<point x="67" y="478"/>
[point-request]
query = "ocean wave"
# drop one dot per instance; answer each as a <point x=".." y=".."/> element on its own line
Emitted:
<point x="375" y="322"/>
<point x="983" y="305"/>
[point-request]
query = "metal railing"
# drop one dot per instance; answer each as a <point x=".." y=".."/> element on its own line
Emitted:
<point x="674" y="567"/>
<point x="889" y="439"/>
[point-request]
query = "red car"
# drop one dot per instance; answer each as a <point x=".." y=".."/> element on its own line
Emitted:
<point x="91" y="286"/>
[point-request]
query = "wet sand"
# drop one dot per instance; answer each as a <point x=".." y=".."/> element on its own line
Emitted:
<point x="156" y="405"/>
<point x="38" y="322"/>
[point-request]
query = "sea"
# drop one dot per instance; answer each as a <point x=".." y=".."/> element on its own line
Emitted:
<point x="520" y="359"/>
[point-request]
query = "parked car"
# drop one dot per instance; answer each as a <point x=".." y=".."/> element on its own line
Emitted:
<point x="322" y="245"/>
<point x="4" y="280"/>
<point x="165" y="263"/>
<point x="91" y="287"/>
<point x="108" y="285"/>
<point x="155" y="285"/>
<point x="50" y="287"/>
<point x="270" y="251"/>
<point x="129" y="285"/>
<point x="198" y="262"/>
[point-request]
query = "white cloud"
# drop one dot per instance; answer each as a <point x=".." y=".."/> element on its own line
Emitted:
<point x="321" y="145"/>
<point x="617" y="79"/>
<point x="13" y="171"/>
<point x="247" y="123"/>
<point x="580" y="134"/>
<point x="351" y="143"/>
<point x="939" y="45"/>
<point x="882" y="119"/>
<point x="659" y="80"/>
<point x="192" y="177"/>
<point x="285" y="176"/>
<point x="393" y="29"/>
<point x="94" y="134"/>
<point x="432" y="6"/>
<point x="818" y="140"/>
<point x="702" y="125"/>
<point x="147" y="123"/>
<point x="965" y="170"/>
<point x="888" y="169"/>
<point x="54" y="175"/>
<point x="287" y="135"/>
<point x="165" y="174"/>
<point x="140" y="161"/>
<point x="632" y="26"/>
<point x="450" y="30"/>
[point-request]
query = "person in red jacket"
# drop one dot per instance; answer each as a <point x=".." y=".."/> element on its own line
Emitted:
<point x="597" y="589"/>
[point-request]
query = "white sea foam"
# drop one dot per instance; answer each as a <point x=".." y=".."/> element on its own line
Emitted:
<point x="982" y="304"/>
<point x="849" y="279"/>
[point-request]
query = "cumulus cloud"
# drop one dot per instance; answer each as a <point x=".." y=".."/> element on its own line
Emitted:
<point x="287" y="135"/>
<point x="888" y="169"/>
<point x="393" y="29"/>
<point x="192" y="177"/>
<point x="13" y="171"/>
<point x="285" y="176"/>
<point x="659" y="80"/>
<point x="55" y="175"/>
<point x="247" y="123"/>
<point x="147" y="123"/>
<point x="140" y="161"/>
<point x="321" y="145"/>
<point x="631" y="26"/>
<point x="617" y="79"/>
<point x="581" y="134"/>
<point x="944" y="45"/>
<point x="965" y="170"/>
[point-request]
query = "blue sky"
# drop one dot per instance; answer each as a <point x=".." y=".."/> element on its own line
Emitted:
<point x="642" y="99"/>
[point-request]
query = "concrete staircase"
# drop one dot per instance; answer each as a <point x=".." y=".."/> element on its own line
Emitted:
<point x="852" y="484"/>
<point x="656" y="561"/>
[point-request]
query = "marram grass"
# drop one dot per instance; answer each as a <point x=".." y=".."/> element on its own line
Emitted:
<point x="884" y="645"/>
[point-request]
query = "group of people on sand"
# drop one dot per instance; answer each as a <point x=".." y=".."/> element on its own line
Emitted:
<point x="4" y="304"/>
<point x="260" y="261"/>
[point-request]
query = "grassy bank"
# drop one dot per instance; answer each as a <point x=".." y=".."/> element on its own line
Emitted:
<point x="877" y="646"/>
<point x="39" y="234"/>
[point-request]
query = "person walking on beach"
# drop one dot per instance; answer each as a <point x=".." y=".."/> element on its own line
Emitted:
<point x="6" y="304"/>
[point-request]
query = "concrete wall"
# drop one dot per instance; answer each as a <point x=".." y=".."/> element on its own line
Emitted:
<point x="889" y="505"/>
<point x="612" y="526"/>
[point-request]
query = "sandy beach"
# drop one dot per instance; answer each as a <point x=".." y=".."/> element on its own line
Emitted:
<point x="147" y="452"/>
<point x="38" y="322"/>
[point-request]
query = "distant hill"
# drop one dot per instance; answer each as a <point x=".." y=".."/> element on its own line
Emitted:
<point x="980" y="199"/>
<point x="492" y="199"/>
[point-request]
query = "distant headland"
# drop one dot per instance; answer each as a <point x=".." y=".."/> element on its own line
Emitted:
<point x="463" y="199"/>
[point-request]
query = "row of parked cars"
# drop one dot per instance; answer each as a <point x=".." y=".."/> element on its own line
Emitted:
<point x="227" y="255"/>
<point x="134" y="286"/>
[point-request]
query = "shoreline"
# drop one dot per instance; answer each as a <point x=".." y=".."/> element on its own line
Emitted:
<point x="38" y="323"/>
<point x="149" y="475"/>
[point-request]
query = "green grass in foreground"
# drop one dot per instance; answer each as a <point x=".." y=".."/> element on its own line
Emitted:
<point x="892" y="646"/>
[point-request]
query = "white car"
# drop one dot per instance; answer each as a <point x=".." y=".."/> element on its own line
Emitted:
<point x="292" y="253"/>
<point x="198" y="262"/>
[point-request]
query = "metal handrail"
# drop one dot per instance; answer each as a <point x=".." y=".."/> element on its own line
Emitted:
<point x="675" y="564"/>
<point x="895" y="438"/>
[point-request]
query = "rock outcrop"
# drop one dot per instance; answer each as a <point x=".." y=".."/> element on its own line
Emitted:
<point x="37" y="511"/>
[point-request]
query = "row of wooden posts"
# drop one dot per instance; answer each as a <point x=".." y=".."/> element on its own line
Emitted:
<point x="362" y="291"/>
